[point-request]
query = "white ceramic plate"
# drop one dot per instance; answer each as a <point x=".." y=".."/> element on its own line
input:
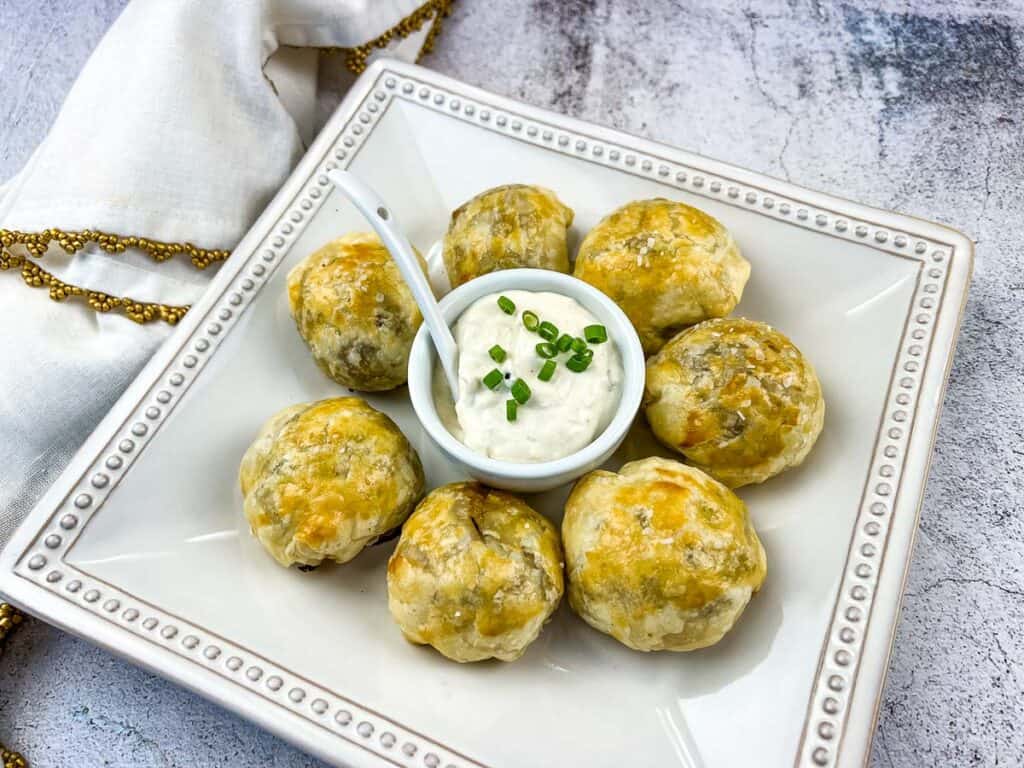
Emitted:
<point x="141" y="546"/>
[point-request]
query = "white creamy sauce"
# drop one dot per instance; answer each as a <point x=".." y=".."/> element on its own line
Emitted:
<point x="562" y="415"/>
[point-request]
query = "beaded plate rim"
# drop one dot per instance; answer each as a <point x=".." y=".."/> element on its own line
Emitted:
<point x="45" y="584"/>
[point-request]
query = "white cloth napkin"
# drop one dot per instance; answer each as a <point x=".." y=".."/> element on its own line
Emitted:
<point x="186" y="119"/>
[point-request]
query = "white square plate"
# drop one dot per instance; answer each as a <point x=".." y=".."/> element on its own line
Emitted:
<point x="141" y="546"/>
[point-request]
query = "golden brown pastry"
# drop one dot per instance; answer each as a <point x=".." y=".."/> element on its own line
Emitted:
<point x="476" y="573"/>
<point x="355" y="312"/>
<point x="660" y="556"/>
<point x="736" y="398"/>
<point x="324" y="480"/>
<point x="667" y="265"/>
<point x="516" y="225"/>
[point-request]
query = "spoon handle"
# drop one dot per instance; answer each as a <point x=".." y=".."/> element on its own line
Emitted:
<point x="382" y="219"/>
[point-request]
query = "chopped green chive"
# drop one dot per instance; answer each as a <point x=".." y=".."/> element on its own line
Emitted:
<point x="548" y="331"/>
<point x="595" y="334"/>
<point x="520" y="391"/>
<point x="546" y="349"/>
<point x="578" y="364"/>
<point x="554" y="343"/>
<point x="493" y="379"/>
<point x="547" y="370"/>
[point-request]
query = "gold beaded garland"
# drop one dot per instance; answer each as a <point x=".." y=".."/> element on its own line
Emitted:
<point x="139" y="311"/>
<point x="37" y="243"/>
<point x="356" y="58"/>
<point x="9" y="619"/>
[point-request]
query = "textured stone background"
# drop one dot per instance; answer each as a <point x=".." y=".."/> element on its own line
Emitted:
<point x="916" y="105"/>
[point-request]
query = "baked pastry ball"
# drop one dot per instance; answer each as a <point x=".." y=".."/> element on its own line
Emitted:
<point x="515" y="225"/>
<point x="355" y="312"/>
<point x="667" y="264"/>
<point x="736" y="398"/>
<point x="659" y="556"/>
<point x="476" y="573"/>
<point x="323" y="480"/>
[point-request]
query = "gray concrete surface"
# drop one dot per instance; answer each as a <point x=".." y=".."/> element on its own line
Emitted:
<point x="916" y="105"/>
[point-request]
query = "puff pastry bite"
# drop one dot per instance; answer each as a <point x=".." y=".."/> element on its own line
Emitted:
<point x="516" y="225"/>
<point x="355" y="312"/>
<point x="736" y="398"/>
<point x="667" y="264"/>
<point x="660" y="556"/>
<point x="323" y="480"/>
<point x="476" y="573"/>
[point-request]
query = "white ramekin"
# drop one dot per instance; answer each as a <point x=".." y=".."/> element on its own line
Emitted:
<point x="540" y="476"/>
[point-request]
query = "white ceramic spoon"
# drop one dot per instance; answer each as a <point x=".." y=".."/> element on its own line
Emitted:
<point x="382" y="219"/>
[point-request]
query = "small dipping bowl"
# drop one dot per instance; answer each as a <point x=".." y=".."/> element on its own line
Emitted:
<point x="534" y="476"/>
